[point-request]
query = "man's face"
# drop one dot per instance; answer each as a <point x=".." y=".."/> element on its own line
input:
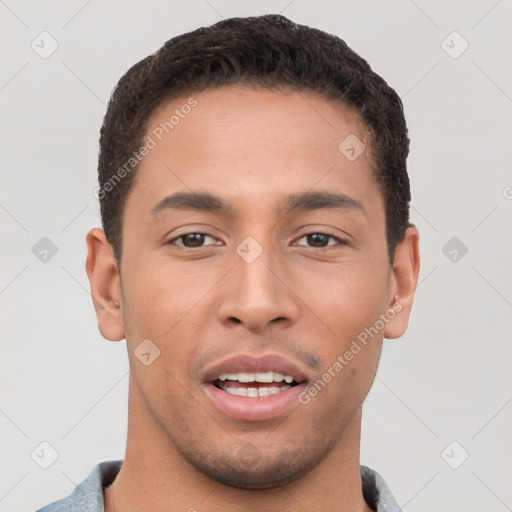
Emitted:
<point x="285" y="284"/>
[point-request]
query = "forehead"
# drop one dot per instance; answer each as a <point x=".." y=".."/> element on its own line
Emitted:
<point x="297" y="121"/>
<point x="255" y="145"/>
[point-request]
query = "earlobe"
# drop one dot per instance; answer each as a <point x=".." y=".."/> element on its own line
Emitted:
<point x="404" y="279"/>
<point x="101" y="267"/>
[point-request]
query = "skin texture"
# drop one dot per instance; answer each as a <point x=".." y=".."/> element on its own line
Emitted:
<point x="307" y="303"/>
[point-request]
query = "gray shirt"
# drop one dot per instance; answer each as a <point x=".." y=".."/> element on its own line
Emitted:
<point x="88" y="496"/>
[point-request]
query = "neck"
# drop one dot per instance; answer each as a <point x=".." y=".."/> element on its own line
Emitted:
<point x="155" y="476"/>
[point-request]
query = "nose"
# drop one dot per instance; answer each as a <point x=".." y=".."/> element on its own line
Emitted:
<point x="257" y="294"/>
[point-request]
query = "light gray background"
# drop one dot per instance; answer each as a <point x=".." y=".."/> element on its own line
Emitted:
<point x="447" y="379"/>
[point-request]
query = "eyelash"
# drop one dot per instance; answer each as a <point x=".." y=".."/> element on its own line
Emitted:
<point x="330" y="235"/>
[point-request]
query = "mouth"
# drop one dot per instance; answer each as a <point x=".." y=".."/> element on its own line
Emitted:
<point x="248" y="388"/>
<point x="254" y="385"/>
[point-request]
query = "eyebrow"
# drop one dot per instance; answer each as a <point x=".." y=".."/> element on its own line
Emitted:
<point x="204" y="201"/>
<point x="319" y="199"/>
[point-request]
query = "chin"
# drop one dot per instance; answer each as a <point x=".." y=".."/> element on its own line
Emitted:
<point x="268" y="476"/>
<point x="249" y="468"/>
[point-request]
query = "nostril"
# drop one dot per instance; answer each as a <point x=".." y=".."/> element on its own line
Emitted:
<point x="236" y="320"/>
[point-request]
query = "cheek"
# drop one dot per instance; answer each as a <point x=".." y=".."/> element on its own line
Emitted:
<point x="157" y="297"/>
<point x="348" y="297"/>
<point x="348" y="301"/>
<point x="167" y="307"/>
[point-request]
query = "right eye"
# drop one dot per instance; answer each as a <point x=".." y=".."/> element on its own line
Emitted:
<point x="191" y="240"/>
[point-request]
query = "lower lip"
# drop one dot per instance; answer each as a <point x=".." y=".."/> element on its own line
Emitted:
<point x="254" y="408"/>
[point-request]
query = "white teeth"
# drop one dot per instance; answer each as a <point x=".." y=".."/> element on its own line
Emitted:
<point x="264" y="377"/>
<point x="237" y="391"/>
<point x="228" y="376"/>
<point x="255" y="392"/>
<point x="257" y="377"/>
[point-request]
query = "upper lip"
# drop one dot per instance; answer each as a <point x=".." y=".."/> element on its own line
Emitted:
<point x="254" y="364"/>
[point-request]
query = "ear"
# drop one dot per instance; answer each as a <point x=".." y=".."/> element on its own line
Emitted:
<point x="403" y="282"/>
<point x="101" y="266"/>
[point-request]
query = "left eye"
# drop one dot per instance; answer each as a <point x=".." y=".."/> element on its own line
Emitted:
<point x="192" y="240"/>
<point x="320" y="240"/>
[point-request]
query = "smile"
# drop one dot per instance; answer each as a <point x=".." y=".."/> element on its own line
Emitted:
<point x="247" y="388"/>
<point x="254" y="385"/>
